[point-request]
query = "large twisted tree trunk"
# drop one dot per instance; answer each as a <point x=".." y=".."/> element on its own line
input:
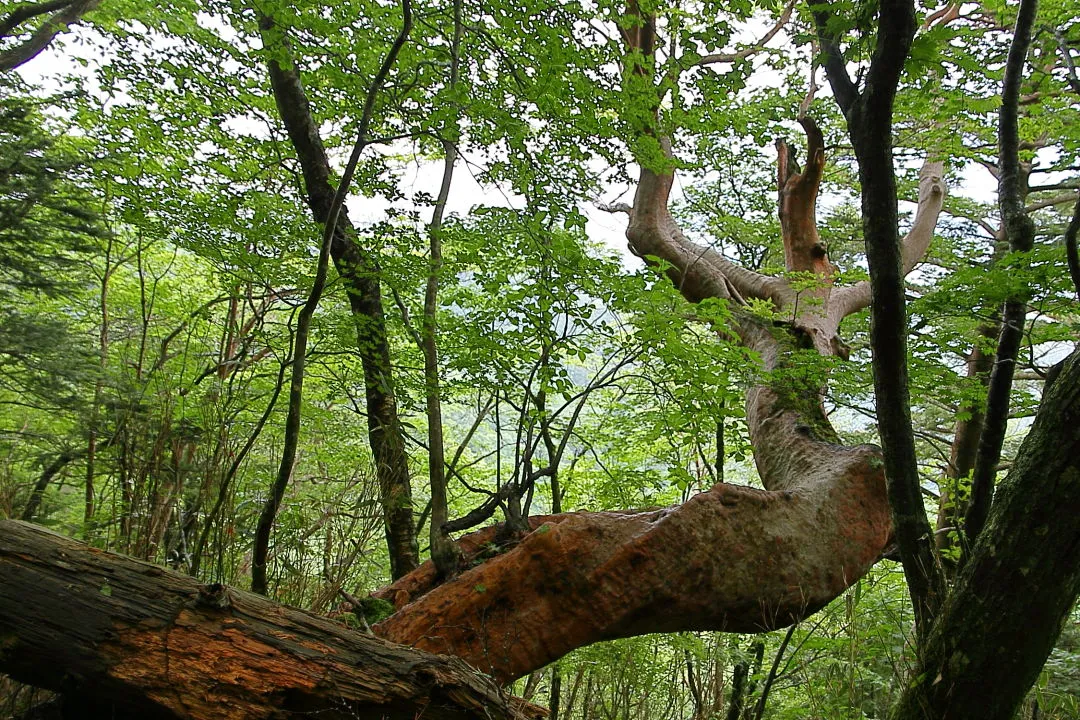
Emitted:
<point x="731" y="558"/>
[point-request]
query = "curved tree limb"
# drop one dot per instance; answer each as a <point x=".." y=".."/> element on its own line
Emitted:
<point x="932" y="191"/>
<point x="66" y="13"/>
<point x="760" y="560"/>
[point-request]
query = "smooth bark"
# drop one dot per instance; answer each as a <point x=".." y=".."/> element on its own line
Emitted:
<point x="869" y="118"/>
<point x="444" y="552"/>
<point x="1019" y="229"/>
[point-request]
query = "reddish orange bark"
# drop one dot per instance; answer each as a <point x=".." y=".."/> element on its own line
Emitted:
<point x="803" y="250"/>
<point x="125" y="639"/>
<point x="732" y="558"/>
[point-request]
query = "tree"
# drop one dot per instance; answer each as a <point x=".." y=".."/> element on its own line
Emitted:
<point x="731" y="558"/>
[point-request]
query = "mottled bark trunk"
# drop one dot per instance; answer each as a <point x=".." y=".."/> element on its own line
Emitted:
<point x="125" y="639"/>
<point x="951" y="505"/>
<point x="731" y="558"/>
<point x="359" y="271"/>
<point x="1007" y="607"/>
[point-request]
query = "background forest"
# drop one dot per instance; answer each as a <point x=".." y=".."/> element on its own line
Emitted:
<point x="475" y="344"/>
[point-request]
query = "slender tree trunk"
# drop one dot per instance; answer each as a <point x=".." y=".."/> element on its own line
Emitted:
<point x="444" y="551"/>
<point x="225" y="483"/>
<point x="759" y="708"/>
<point x="951" y="507"/>
<point x="869" y="119"/>
<point x="1020" y="230"/>
<point x="555" y="696"/>
<point x="359" y="271"/>
<point x="738" y="690"/>
<point x="99" y="384"/>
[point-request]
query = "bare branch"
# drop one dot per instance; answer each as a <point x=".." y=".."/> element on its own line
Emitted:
<point x="932" y="190"/>
<point x="942" y="17"/>
<point x="757" y="47"/>
<point x="1051" y="202"/>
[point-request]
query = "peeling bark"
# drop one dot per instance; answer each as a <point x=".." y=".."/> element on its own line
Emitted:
<point x="731" y="558"/>
<point x="126" y="639"/>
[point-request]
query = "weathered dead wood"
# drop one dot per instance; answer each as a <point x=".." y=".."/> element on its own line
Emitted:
<point x="124" y="638"/>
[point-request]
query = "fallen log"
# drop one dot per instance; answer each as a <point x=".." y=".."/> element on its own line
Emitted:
<point x="124" y="638"/>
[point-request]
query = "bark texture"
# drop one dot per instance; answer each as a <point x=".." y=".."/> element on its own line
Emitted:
<point x="1021" y="580"/>
<point x="359" y="271"/>
<point x="951" y="506"/>
<point x="126" y="639"/>
<point x="731" y="558"/>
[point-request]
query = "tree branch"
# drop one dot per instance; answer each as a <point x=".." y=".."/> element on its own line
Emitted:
<point x="932" y="191"/>
<point x="22" y="13"/>
<point x="1020" y="231"/>
<point x="68" y="13"/>
<point x="844" y="89"/>
<point x="758" y="46"/>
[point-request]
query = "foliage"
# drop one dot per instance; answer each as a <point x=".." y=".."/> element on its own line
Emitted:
<point x="154" y="248"/>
